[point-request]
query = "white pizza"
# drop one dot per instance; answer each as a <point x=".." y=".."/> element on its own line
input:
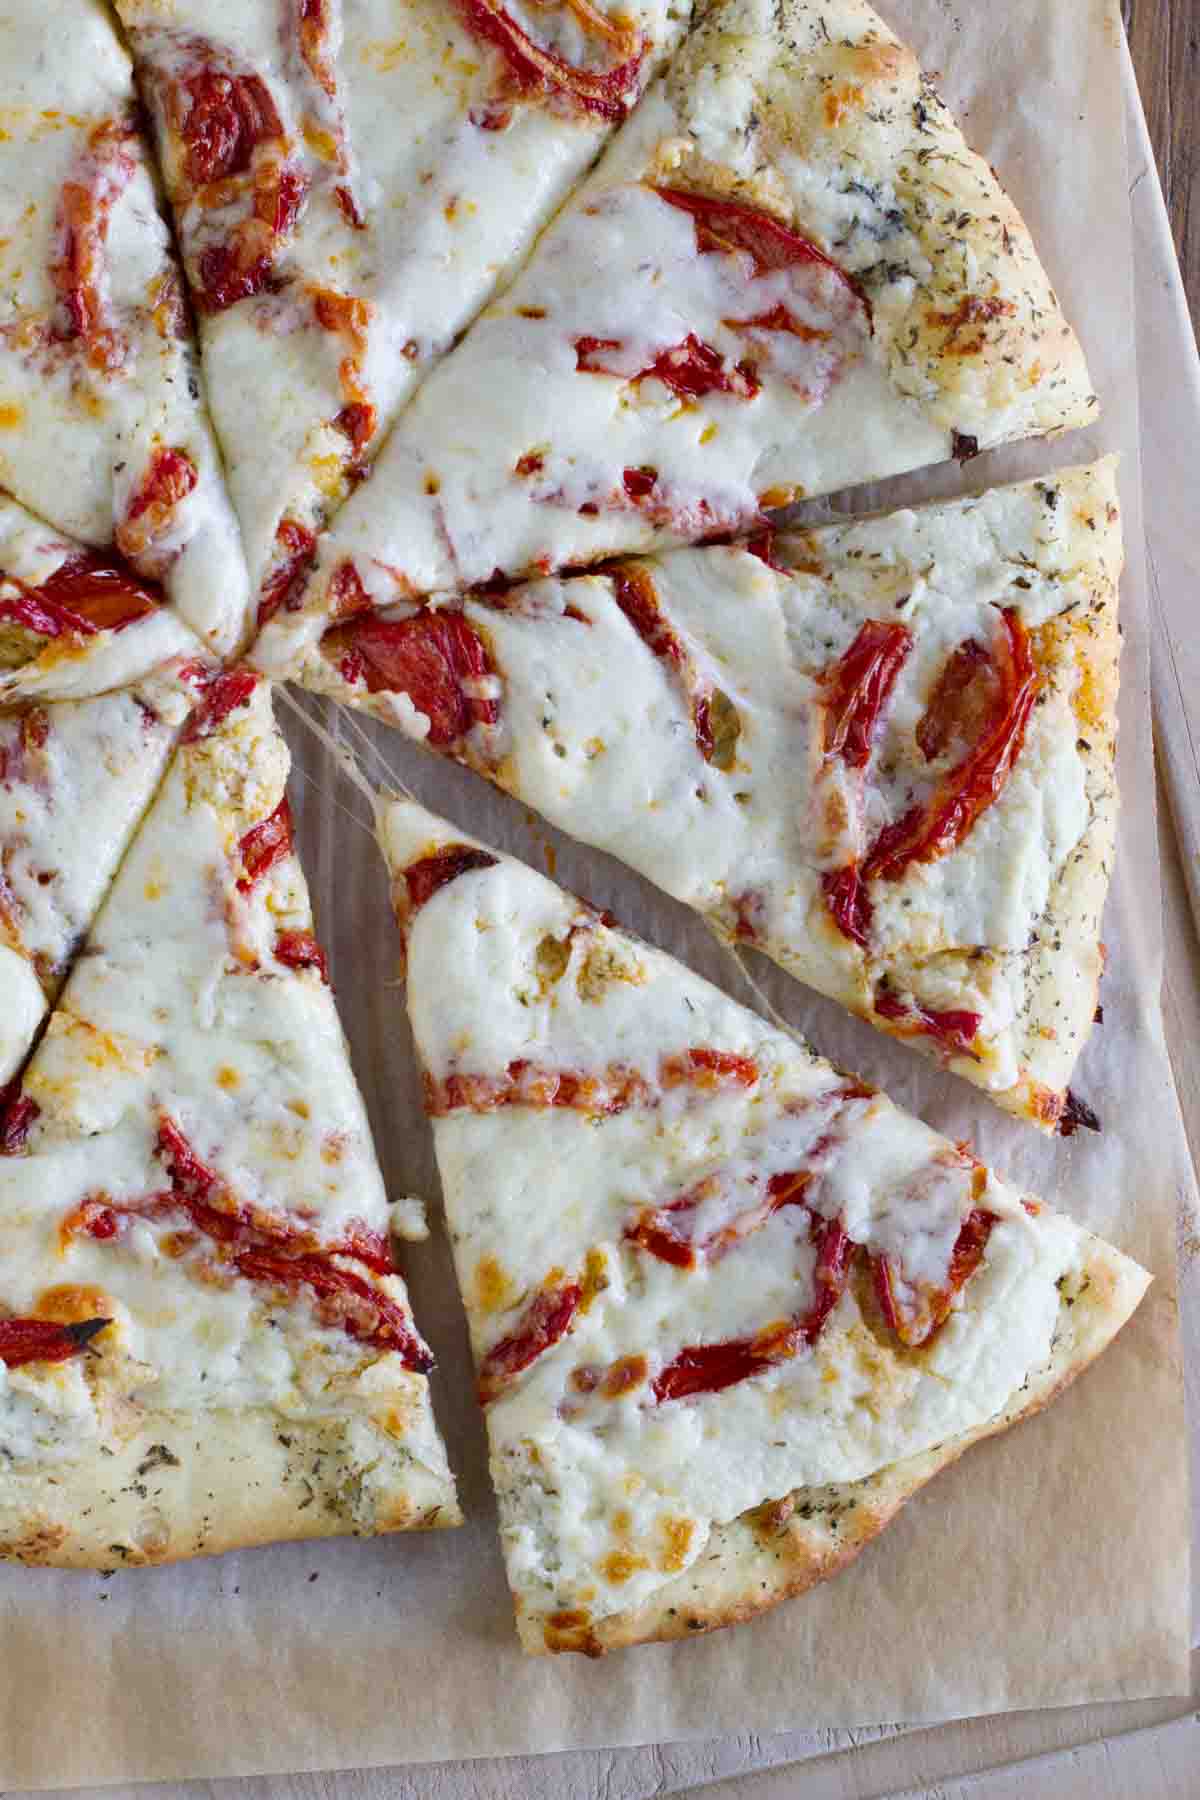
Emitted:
<point x="729" y="1306"/>
<point x="103" y="431"/>
<point x="351" y="182"/>
<point x="788" y="274"/>
<point x="203" y="1339"/>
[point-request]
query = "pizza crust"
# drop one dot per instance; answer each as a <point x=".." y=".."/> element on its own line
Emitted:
<point x="782" y="1549"/>
<point x="192" y="1484"/>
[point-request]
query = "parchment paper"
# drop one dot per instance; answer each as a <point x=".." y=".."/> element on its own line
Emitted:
<point x="1049" y="1567"/>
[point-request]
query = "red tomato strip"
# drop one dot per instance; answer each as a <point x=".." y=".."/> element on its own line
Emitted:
<point x="435" y="656"/>
<point x="86" y="594"/>
<point x="277" y="1252"/>
<point x="170" y="477"/>
<point x="545" y="1320"/>
<point x="948" y="713"/>
<point x="43" y="1340"/>
<point x="535" y="70"/>
<point x="637" y="597"/>
<point x="708" y="1068"/>
<point x="79" y="267"/>
<point x="300" y="950"/>
<point x="222" y="695"/>
<point x="848" y="902"/>
<point x="725" y="225"/>
<point x="956" y="1029"/>
<point x="917" y="1313"/>
<point x="607" y="1091"/>
<point x="19" y="1113"/>
<point x="224" y="118"/>
<point x="264" y="845"/>
<point x="427" y="877"/>
<point x="691" y="369"/>
<point x="859" y="686"/>
<point x="294" y="547"/>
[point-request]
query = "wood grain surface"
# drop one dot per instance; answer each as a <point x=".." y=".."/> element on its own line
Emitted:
<point x="1164" y="41"/>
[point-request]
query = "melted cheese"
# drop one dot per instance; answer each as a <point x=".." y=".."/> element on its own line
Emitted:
<point x="605" y="1497"/>
<point x="181" y="1008"/>
<point x="448" y="208"/>
<point x="68" y="807"/>
<point x="77" y="440"/>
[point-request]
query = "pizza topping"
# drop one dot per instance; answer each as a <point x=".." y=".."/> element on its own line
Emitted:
<point x="715" y="718"/>
<point x="990" y="692"/>
<point x="79" y="270"/>
<point x="264" y="845"/>
<point x="727" y="227"/>
<point x="19" y="1113"/>
<point x="277" y="1253"/>
<point x="427" y="877"/>
<point x="234" y="157"/>
<point x="294" y="547"/>
<point x="710" y="1368"/>
<point x="762" y="544"/>
<point x="44" y="1340"/>
<point x="222" y="694"/>
<point x="169" y="478"/>
<point x="435" y="656"/>
<point x="545" y="1320"/>
<point x="534" y="72"/>
<point x="300" y="950"/>
<point x="349" y="317"/>
<point x="86" y="594"/>
<point x="915" y="1311"/>
<point x="602" y="1092"/>
<point x="956" y="1029"/>
<point x="691" y="369"/>
<point x="858" y="687"/>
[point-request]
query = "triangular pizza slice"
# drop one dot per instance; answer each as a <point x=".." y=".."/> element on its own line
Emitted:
<point x="102" y="425"/>
<point x="203" y="1339"/>
<point x="730" y="1307"/>
<point x="350" y="185"/>
<point x="881" y="751"/>
<point x="788" y="274"/>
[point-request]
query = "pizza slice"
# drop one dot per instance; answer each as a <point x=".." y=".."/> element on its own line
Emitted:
<point x="76" y="776"/>
<point x="350" y="185"/>
<point x="102" y="427"/>
<point x="730" y="1307"/>
<point x="788" y="274"/>
<point x="881" y="751"/>
<point x="204" y="1342"/>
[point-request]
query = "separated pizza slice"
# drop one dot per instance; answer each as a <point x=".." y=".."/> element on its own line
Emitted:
<point x="881" y="751"/>
<point x="730" y="1307"/>
<point x="350" y="184"/>
<point x="204" y="1341"/>
<point x="788" y="274"/>
<point x="102" y="426"/>
<point x="76" y="777"/>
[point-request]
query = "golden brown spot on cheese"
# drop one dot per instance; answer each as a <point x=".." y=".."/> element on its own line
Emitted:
<point x="619" y="1565"/>
<point x="493" y="1289"/>
<point x="622" y="1523"/>
<point x="624" y="1376"/>
<point x="72" y="1303"/>
<point x="551" y="959"/>
<point x="227" y="1077"/>
<point x="300" y="1108"/>
<point x="841" y="102"/>
<point x="432" y="485"/>
<point x="569" y="1629"/>
<point x="780" y="496"/>
<point x="595" y="1277"/>
<point x="677" y="1537"/>
<point x="12" y="414"/>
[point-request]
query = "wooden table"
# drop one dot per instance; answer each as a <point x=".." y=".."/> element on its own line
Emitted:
<point x="1164" y="40"/>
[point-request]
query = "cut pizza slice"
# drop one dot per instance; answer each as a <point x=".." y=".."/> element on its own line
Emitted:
<point x="730" y="1308"/>
<point x="350" y="185"/>
<point x="203" y="1341"/>
<point x="76" y="777"/>
<point x="881" y="751"/>
<point x="787" y="275"/>
<point x="102" y="427"/>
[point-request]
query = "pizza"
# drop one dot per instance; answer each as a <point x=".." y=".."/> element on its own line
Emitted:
<point x="332" y="256"/>
<point x="882" y="751"/>
<point x="203" y="1339"/>
<point x="103" y="432"/>
<point x="788" y="274"/>
<point x="76" y="776"/>
<point x="729" y="1307"/>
